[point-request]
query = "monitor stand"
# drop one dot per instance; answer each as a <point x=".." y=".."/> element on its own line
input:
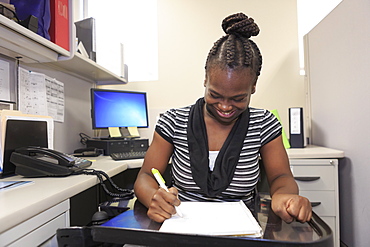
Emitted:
<point x="134" y="132"/>
<point x="115" y="133"/>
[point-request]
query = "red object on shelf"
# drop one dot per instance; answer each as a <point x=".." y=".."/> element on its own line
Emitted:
<point x="59" y="25"/>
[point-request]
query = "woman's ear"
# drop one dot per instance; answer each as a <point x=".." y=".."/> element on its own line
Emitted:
<point x="254" y="86"/>
<point x="253" y="89"/>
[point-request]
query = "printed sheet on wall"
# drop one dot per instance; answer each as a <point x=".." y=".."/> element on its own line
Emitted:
<point x="40" y="94"/>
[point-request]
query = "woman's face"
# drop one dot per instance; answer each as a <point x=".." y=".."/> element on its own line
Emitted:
<point x="228" y="93"/>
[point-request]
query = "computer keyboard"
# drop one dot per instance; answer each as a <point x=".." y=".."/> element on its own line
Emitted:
<point x="128" y="155"/>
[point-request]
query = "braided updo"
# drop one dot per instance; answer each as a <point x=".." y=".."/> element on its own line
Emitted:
<point x="235" y="49"/>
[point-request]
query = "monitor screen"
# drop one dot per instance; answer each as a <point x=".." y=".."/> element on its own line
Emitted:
<point x="116" y="108"/>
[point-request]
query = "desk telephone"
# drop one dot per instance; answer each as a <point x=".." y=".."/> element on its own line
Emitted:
<point x="34" y="161"/>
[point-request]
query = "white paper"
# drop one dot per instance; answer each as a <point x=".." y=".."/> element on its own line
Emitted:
<point x="41" y="95"/>
<point x="32" y="93"/>
<point x="55" y="98"/>
<point x="4" y="81"/>
<point x="213" y="218"/>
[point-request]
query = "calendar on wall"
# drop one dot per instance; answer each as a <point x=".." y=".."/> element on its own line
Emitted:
<point x="40" y="94"/>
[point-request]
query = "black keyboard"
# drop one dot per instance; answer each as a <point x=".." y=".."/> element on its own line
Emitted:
<point x="128" y="155"/>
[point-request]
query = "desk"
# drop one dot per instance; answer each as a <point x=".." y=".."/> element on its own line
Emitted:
<point x="134" y="227"/>
<point x="30" y="214"/>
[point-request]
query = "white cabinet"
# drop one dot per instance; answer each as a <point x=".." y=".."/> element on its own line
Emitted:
<point x="30" y="215"/>
<point x="317" y="179"/>
<point x="39" y="228"/>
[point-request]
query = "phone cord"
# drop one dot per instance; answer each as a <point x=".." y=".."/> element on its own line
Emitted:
<point x="127" y="193"/>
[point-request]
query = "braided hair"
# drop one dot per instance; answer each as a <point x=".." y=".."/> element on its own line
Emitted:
<point x="235" y="49"/>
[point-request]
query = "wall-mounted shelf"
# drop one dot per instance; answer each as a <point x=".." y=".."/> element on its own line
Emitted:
<point x="90" y="69"/>
<point x="18" y="42"/>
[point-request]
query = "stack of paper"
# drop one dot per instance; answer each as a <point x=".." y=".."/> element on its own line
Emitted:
<point x="214" y="218"/>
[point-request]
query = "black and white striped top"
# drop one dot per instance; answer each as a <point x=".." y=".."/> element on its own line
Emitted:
<point x="263" y="127"/>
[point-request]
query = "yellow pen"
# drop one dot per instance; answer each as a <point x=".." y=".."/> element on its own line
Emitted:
<point x="162" y="184"/>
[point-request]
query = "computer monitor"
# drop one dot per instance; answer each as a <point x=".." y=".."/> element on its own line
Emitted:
<point x="117" y="108"/>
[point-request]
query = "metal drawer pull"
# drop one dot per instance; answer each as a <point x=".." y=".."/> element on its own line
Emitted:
<point x="306" y="178"/>
<point x="315" y="204"/>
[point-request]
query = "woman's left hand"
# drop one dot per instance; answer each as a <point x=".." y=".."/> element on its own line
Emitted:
<point x="290" y="206"/>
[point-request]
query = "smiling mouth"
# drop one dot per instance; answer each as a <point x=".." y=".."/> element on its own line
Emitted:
<point x="225" y="114"/>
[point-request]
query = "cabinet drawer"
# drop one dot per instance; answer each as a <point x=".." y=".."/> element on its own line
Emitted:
<point x="314" y="177"/>
<point x="325" y="201"/>
<point x="43" y="233"/>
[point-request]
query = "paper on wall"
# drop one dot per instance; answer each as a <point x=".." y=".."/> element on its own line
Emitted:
<point x="40" y="95"/>
<point x="55" y="98"/>
<point x="32" y="92"/>
<point x="4" y="81"/>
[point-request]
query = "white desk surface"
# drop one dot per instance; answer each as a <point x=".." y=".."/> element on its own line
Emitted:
<point x="22" y="203"/>
<point x="314" y="152"/>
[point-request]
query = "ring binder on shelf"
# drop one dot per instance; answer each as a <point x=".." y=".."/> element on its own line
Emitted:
<point x="296" y="130"/>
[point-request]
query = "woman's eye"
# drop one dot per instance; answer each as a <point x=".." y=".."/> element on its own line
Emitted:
<point x="239" y="99"/>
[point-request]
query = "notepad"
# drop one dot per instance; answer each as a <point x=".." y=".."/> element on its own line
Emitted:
<point x="214" y="218"/>
<point x="7" y="185"/>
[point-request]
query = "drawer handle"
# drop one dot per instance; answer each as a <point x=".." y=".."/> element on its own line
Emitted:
<point x="315" y="204"/>
<point x="306" y="178"/>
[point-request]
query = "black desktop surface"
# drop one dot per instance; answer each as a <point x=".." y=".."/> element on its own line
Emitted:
<point x="134" y="227"/>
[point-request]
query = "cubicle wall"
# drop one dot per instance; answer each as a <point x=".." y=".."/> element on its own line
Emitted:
<point x="77" y="103"/>
<point x="77" y="118"/>
<point x="338" y="56"/>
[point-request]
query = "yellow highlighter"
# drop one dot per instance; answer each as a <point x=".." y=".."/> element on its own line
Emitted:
<point x="162" y="184"/>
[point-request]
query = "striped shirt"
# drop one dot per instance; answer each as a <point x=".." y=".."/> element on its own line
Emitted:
<point x="263" y="127"/>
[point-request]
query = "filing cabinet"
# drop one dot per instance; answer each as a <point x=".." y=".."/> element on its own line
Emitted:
<point x="317" y="179"/>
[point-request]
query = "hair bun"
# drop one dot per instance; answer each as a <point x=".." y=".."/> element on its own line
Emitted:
<point x="240" y="24"/>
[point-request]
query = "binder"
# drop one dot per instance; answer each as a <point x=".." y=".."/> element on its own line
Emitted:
<point x="285" y="138"/>
<point x="296" y="127"/>
<point x="59" y="24"/>
<point x="85" y="32"/>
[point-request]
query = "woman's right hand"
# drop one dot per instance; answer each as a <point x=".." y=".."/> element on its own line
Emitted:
<point x="162" y="205"/>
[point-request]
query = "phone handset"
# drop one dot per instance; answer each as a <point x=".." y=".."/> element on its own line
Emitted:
<point x="34" y="161"/>
<point x="62" y="159"/>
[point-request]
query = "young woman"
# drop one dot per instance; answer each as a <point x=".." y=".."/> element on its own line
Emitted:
<point x="215" y="144"/>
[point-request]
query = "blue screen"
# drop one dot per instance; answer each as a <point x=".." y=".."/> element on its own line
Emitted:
<point x="113" y="108"/>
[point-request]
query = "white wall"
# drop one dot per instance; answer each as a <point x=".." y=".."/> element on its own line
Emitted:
<point x="339" y="52"/>
<point x="187" y="31"/>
